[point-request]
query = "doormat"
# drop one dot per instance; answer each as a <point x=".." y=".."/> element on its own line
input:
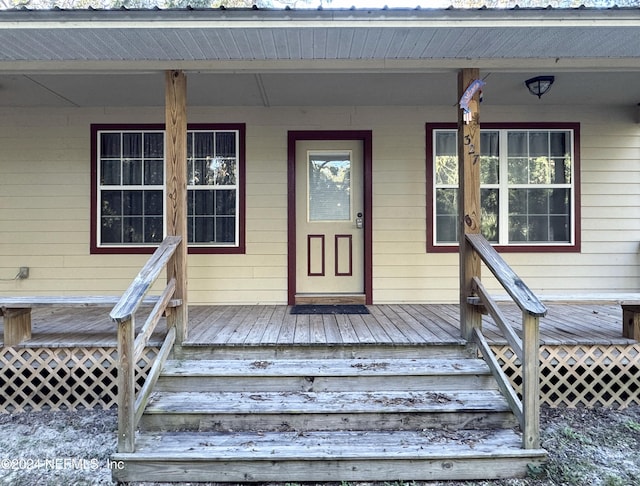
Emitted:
<point x="329" y="309"/>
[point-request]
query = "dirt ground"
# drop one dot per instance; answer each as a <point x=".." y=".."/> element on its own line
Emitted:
<point x="586" y="447"/>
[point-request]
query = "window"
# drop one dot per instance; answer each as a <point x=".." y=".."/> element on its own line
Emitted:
<point x="528" y="186"/>
<point x="128" y="186"/>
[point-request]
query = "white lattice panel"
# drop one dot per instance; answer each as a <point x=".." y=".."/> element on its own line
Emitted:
<point x="61" y="378"/>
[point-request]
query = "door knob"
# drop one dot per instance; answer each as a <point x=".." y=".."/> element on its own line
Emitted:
<point x="359" y="222"/>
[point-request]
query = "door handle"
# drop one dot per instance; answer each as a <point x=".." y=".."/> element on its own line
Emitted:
<point x="359" y="221"/>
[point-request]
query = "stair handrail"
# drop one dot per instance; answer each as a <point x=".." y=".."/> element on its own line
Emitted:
<point x="131" y="348"/>
<point x="527" y="349"/>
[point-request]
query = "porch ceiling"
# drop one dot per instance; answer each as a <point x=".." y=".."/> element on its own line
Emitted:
<point x="316" y="57"/>
<point x="313" y="89"/>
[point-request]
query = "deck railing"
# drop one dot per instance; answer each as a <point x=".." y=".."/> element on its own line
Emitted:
<point x="528" y="349"/>
<point x="130" y="347"/>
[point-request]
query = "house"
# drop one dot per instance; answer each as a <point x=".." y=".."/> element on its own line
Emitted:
<point x="76" y="84"/>
<point x="322" y="150"/>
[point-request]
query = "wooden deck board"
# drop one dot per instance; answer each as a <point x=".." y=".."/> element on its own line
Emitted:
<point x="567" y="324"/>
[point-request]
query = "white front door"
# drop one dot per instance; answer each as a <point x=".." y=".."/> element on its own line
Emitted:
<point x="329" y="219"/>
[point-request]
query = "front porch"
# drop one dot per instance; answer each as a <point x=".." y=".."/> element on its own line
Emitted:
<point x="566" y="324"/>
<point x="586" y="361"/>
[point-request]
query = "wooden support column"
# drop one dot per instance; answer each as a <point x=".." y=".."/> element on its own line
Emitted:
<point x="468" y="200"/>
<point x="176" y="177"/>
<point x="17" y="325"/>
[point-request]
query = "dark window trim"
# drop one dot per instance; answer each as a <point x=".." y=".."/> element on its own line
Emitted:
<point x="541" y="248"/>
<point x="148" y="249"/>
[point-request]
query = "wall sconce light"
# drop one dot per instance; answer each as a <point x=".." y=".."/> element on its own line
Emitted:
<point x="539" y="85"/>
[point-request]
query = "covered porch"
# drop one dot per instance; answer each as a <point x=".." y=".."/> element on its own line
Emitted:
<point x="568" y="324"/>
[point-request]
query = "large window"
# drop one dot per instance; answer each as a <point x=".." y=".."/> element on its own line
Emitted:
<point x="128" y="170"/>
<point x="528" y="186"/>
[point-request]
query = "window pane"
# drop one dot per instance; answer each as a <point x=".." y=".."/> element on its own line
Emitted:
<point x="538" y="201"/>
<point x="446" y="215"/>
<point x="111" y="230"/>
<point x="518" y="231"/>
<point x="518" y="170"/>
<point x="111" y="204"/>
<point x="203" y="145"/>
<point x="517" y="144"/>
<point x="490" y="203"/>
<point x="489" y="157"/>
<point x="200" y="172"/>
<point x="225" y="202"/>
<point x="447" y="229"/>
<point x="226" y="144"/>
<point x="489" y="170"/>
<point x="132" y="172"/>
<point x="539" y="170"/>
<point x="225" y="229"/>
<point x="110" y="173"/>
<point x="560" y="144"/>
<point x="201" y="229"/>
<point x="447" y="170"/>
<point x="132" y="231"/>
<point x="538" y="144"/>
<point x="560" y="171"/>
<point x="153" y="145"/>
<point x="153" y="203"/>
<point x="329" y="186"/>
<point x="153" y="230"/>
<point x="132" y="145"/>
<point x="202" y="203"/>
<point x="132" y="203"/>
<point x="559" y="228"/>
<point x="223" y="171"/>
<point x="153" y="172"/>
<point x="560" y="201"/>
<point x="110" y="145"/>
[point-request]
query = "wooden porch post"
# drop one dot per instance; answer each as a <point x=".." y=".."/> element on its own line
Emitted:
<point x="176" y="177"/>
<point x="468" y="199"/>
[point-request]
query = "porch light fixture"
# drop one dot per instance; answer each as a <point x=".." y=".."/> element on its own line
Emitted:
<point x="539" y="85"/>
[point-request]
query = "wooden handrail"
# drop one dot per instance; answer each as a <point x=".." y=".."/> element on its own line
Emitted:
<point x="131" y="299"/>
<point x="131" y="348"/>
<point x="527" y="349"/>
<point x="515" y="287"/>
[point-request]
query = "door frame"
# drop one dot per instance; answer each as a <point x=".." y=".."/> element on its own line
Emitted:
<point x="366" y="137"/>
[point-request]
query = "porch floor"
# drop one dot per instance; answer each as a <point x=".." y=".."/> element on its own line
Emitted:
<point x="565" y="324"/>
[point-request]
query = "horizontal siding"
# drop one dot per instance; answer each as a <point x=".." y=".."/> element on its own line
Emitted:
<point x="44" y="205"/>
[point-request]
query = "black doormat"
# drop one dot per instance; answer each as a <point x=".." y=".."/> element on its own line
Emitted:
<point x="329" y="309"/>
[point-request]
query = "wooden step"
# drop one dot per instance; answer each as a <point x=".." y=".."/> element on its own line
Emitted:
<point x="326" y="456"/>
<point x="325" y="375"/>
<point x="455" y="348"/>
<point x="303" y="411"/>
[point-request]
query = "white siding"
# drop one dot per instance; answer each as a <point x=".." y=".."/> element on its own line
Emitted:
<point x="45" y="204"/>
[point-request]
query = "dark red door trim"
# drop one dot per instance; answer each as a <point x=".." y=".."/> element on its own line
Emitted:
<point x="366" y="136"/>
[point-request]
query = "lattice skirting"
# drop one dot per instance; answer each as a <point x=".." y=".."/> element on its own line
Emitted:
<point x="582" y="376"/>
<point x="62" y="378"/>
<point x="85" y="378"/>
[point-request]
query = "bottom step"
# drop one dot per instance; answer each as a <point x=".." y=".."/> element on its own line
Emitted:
<point x="327" y="456"/>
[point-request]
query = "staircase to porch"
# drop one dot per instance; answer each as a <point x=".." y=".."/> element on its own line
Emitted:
<point x="332" y="412"/>
<point x="326" y="414"/>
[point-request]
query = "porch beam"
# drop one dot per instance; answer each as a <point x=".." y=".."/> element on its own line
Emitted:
<point x="176" y="177"/>
<point x="468" y="200"/>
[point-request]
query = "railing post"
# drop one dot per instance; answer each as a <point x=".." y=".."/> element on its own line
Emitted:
<point x="531" y="381"/>
<point x="126" y="386"/>
<point x="468" y="200"/>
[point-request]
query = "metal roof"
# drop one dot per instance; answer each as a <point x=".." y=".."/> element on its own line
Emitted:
<point x="260" y="40"/>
